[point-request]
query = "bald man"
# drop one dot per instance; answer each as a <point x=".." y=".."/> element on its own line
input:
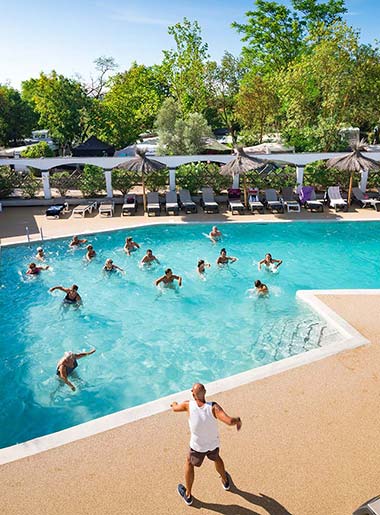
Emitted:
<point x="204" y="439"/>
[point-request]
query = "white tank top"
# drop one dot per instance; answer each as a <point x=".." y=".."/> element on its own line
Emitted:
<point x="203" y="427"/>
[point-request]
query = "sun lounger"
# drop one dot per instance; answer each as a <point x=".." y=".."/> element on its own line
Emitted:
<point x="208" y="201"/>
<point x="234" y="203"/>
<point x="335" y="198"/>
<point x="56" y="211"/>
<point x="289" y="200"/>
<point x="364" y="200"/>
<point x="272" y="202"/>
<point x="106" y="208"/>
<point x="309" y="199"/>
<point x="130" y="205"/>
<point x="186" y="203"/>
<point x="254" y="203"/>
<point x="171" y="202"/>
<point x="82" y="209"/>
<point x="153" y="206"/>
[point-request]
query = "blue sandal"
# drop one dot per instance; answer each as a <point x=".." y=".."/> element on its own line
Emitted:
<point x="182" y="492"/>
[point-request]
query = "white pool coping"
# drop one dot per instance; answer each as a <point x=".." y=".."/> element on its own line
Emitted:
<point x="351" y="339"/>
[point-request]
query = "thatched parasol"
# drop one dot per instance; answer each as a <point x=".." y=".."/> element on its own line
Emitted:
<point x="140" y="163"/>
<point x="354" y="162"/>
<point x="240" y="165"/>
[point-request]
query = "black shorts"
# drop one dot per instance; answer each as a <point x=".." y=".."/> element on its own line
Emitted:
<point x="196" y="458"/>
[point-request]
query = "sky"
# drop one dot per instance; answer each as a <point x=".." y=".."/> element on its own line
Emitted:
<point x="68" y="35"/>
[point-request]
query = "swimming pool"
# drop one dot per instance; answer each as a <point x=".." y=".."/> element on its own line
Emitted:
<point x="152" y="342"/>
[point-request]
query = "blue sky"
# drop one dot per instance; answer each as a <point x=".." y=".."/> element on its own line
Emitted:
<point x="68" y="35"/>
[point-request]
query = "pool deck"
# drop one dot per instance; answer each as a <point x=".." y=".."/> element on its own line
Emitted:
<point x="309" y="444"/>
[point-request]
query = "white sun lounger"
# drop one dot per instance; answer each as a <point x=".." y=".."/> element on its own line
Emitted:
<point x="106" y="209"/>
<point x="130" y="205"/>
<point x="335" y="198"/>
<point x="171" y="202"/>
<point x="289" y="201"/>
<point x="82" y="209"/>
<point x="186" y="203"/>
<point x="153" y="206"/>
<point x="272" y="201"/>
<point x="365" y="201"/>
<point x="208" y="201"/>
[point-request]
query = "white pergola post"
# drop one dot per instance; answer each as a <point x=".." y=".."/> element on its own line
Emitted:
<point x="108" y="177"/>
<point x="235" y="181"/>
<point x="299" y="175"/>
<point x="363" y="181"/>
<point x="172" y="179"/>
<point x="46" y="184"/>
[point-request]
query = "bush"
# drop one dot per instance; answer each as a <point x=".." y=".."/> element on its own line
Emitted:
<point x="159" y="179"/>
<point x="40" y="149"/>
<point x="92" y="181"/>
<point x="60" y="181"/>
<point x="8" y="181"/>
<point x="124" y="180"/>
<point x="276" y="178"/>
<point x="30" y="185"/>
<point x="317" y="175"/>
<point x="194" y="176"/>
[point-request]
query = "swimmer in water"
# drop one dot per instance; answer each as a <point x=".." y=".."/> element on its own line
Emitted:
<point x="168" y="278"/>
<point x="223" y="259"/>
<point x="72" y="295"/>
<point x="149" y="258"/>
<point x="33" y="269"/>
<point x="40" y="256"/>
<point x="261" y="288"/>
<point x="75" y="242"/>
<point x="90" y="254"/>
<point x="110" y="267"/>
<point x="130" y="245"/>
<point x="215" y="234"/>
<point x="269" y="262"/>
<point x="201" y="267"/>
<point x="68" y="363"/>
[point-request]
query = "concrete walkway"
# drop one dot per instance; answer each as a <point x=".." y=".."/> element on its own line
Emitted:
<point x="309" y="446"/>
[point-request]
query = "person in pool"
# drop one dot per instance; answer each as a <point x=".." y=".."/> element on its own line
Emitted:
<point x="90" y="254"/>
<point x="269" y="262"/>
<point x="215" y="234"/>
<point x="40" y="256"/>
<point x="201" y="267"/>
<point x="168" y="278"/>
<point x="261" y="288"/>
<point x="149" y="258"/>
<point x="68" y="363"/>
<point x="33" y="269"/>
<point x="110" y="267"/>
<point x="130" y="245"/>
<point x="76" y="242"/>
<point x="223" y="259"/>
<point x="72" y="295"/>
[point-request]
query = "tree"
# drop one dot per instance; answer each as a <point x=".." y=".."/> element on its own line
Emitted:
<point x="40" y="149"/>
<point x="17" y="117"/>
<point x="92" y="180"/>
<point x="103" y="65"/>
<point x="184" y="68"/>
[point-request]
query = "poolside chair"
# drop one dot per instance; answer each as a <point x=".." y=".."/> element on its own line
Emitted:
<point x="309" y="199"/>
<point x="364" y="201"/>
<point x="82" y="209"/>
<point x="106" y="208"/>
<point x="254" y="203"/>
<point x="234" y="203"/>
<point x="129" y="206"/>
<point x="289" y="201"/>
<point x="208" y="201"/>
<point x="186" y="203"/>
<point x="171" y="203"/>
<point x="335" y="198"/>
<point x="272" y="202"/>
<point x="153" y="206"/>
<point x="56" y="211"/>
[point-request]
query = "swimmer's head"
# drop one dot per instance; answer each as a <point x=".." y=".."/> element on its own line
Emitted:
<point x="268" y="256"/>
<point x="258" y="283"/>
<point x="168" y="271"/>
<point x="89" y="247"/>
<point x="74" y="287"/>
<point x="109" y="261"/>
<point x="75" y="238"/>
<point x="69" y="354"/>
<point x="149" y="252"/>
<point x="129" y="238"/>
<point x="32" y="265"/>
<point x="201" y="262"/>
<point x="214" y="229"/>
<point x="223" y="252"/>
<point x="40" y="249"/>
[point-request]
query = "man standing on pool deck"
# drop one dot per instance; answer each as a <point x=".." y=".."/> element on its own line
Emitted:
<point x="204" y="439"/>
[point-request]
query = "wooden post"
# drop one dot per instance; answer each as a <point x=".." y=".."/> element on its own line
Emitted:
<point x="245" y="190"/>
<point x="350" y="190"/>
<point x="144" y="192"/>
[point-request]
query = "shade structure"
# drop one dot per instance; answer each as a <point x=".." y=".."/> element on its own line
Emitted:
<point x="93" y="147"/>
<point x="140" y="163"/>
<point x="354" y="162"/>
<point x="240" y="165"/>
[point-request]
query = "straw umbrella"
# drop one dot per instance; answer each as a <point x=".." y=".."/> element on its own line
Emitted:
<point x="240" y="165"/>
<point x="140" y="163"/>
<point x="354" y="162"/>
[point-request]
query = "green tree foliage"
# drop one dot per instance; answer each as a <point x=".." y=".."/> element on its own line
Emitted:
<point x="157" y="180"/>
<point x="194" y="176"/>
<point x="40" y="149"/>
<point x="59" y="102"/>
<point x="92" y="181"/>
<point x="124" y="180"/>
<point x="184" y="67"/>
<point x="321" y="178"/>
<point x="17" y="117"/>
<point x="8" y="181"/>
<point x="29" y="184"/>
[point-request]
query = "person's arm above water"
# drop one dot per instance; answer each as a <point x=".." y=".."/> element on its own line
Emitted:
<point x="182" y="406"/>
<point x="232" y="259"/>
<point x="83" y="354"/>
<point x="136" y="245"/>
<point x="159" y="280"/>
<point x="260" y="263"/>
<point x="278" y="261"/>
<point x="63" y="376"/>
<point x="118" y="268"/>
<point x="65" y="290"/>
<point x="179" y="279"/>
<point x="221" y="415"/>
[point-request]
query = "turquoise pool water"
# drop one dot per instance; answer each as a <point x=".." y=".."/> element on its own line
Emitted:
<point x="152" y="342"/>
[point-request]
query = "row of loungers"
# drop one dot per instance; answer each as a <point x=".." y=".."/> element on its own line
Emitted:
<point x="271" y="201"/>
